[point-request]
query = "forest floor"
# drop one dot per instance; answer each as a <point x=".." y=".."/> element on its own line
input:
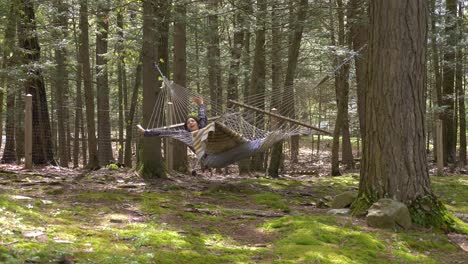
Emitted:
<point x="57" y="215"/>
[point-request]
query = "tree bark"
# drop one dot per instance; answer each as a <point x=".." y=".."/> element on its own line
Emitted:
<point x="180" y="159"/>
<point x="9" y="59"/>
<point x="105" y="154"/>
<point x="131" y="116"/>
<point x="459" y="87"/>
<point x="394" y="162"/>
<point x="121" y="76"/>
<point x="150" y="162"/>
<point x="214" y="59"/>
<point x="34" y="85"/>
<point x="257" y="84"/>
<point x="450" y="130"/>
<point x="276" y="82"/>
<point x="61" y="82"/>
<point x="93" y="162"/>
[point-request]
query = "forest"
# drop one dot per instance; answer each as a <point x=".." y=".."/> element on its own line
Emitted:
<point x="233" y="131"/>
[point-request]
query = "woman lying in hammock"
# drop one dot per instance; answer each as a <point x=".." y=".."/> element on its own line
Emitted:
<point x="191" y="124"/>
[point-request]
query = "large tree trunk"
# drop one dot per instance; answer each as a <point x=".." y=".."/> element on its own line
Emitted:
<point x="150" y="162"/>
<point x="88" y="86"/>
<point x="180" y="160"/>
<point x="105" y="155"/>
<point x="61" y="82"/>
<point x="34" y="85"/>
<point x="394" y="159"/>
<point x="8" y="83"/>
<point x="450" y="130"/>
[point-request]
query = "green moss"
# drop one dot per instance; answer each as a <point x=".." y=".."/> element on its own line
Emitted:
<point x="452" y="191"/>
<point x="428" y="211"/>
<point x="272" y="200"/>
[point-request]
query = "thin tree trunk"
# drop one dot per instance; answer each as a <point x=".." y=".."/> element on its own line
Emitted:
<point x="459" y="88"/>
<point x="276" y="82"/>
<point x="450" y="131"/>
<point x="244" y="165"/>
<point x="105" y="154"/>
<point x="93" y="162"/>
<point x="131" y="116"/>
<point x="344" y="40"/>
<point x="257" y="84"/>
<point x="120" y="82"/>
<point x="180" y="159"/>
<point x="359" y="29"/>
<point x="214" y="59"/>
<point x="61" y="82"/>
<point x="9" y="59"/>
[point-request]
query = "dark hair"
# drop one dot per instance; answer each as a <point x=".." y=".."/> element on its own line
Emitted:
<point x="194" y="118"/>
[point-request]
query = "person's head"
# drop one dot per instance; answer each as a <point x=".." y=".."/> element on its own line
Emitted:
<point x="191" y="124"/>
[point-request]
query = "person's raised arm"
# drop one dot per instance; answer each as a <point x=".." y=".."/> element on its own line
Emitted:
<point x="202" y="119"/>
<point x="158" y="132"/>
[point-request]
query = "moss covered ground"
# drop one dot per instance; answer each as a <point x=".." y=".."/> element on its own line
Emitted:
<point x="112" y="216"/>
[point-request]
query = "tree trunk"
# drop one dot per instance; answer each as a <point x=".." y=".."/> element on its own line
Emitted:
<point x="9" y="59"/>
<point x="450" y="130"/>
<point x="87" y="84"/>
<point x="276" y="82"/>
<point x="295" y="38"/>
<point x="359" y="24"/>
<point x="459" y="86"/>
<point x="244" y="165"/>
<point x="344" y="40"/>
<point x="150" y="162"/>
<point x="180" y="160"/>
<point x="34" y="85"/>
<point x="335" y="158"/>
<point x="61" y="82"/>
<point x="105" y="155"/>
<point x="437" y="72"/>
<point x="120" y="81"/>
<point x="257" y="85"/>
<point x="131" y="116"/>
<point x="236" y="51"/>
<point x="394" y="162"/>
<point x="214" y="59"/>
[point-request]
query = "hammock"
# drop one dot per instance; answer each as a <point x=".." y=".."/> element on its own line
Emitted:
<point x="241" y="131"/>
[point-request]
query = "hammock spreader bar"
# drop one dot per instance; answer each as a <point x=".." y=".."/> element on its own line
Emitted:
<point x="294" y="121"/>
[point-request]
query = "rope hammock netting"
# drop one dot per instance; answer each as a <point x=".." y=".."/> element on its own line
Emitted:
<point x="235" y="131"/>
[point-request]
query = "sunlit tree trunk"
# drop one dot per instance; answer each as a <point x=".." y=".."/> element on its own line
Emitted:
<point x="394" y="159"/>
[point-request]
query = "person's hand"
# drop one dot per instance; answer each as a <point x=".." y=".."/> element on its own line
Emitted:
<point x="141" y="129"/>
<point x="198" y="100"/>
